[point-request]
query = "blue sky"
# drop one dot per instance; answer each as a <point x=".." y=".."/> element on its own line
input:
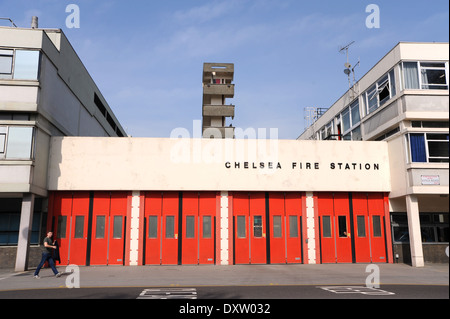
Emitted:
<point x="147" y="56"/>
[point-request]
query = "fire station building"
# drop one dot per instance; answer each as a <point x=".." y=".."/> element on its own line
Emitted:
<point x="145" y="201"/>
<point x="67" y="166"/>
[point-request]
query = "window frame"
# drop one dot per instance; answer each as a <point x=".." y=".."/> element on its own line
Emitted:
<point x="12" y="74"/>
<point x="3" y="53"/>
<point x="387" y="80"/>
<point x="399" y="227"/>
<point x="420" y="69"/>
<point x="434" y="159"/>
<point x="354" y="125"/>
<point x="6" y="131"/>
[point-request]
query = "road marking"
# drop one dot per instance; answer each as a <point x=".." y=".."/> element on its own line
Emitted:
<point x="357" y="290"/>
<point x="168" y="293"/>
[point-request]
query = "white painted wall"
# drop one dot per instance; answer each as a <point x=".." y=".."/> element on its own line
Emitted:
<point x="200" y="164"/>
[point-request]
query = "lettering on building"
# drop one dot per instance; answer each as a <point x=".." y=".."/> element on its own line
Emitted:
<point x="303" y="166"/>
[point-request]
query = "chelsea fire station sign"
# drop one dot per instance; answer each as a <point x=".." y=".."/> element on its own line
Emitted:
<point x="173" y="164"/>
<point x="302" y="165"/>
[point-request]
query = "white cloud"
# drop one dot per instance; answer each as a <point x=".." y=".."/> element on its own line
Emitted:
<point x="204" y="42"/>
<point x="205" y="13"/>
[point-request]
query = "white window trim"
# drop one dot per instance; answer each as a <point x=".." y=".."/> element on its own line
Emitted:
<point x="419" y="73"/>
<point x="375" y="89"/>
<point x="420" y="68"/>
<point x="353" y="126"/>
<point x="427" y="153"/>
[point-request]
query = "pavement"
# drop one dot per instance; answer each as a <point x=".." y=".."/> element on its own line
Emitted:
<point x="233" y="275"/>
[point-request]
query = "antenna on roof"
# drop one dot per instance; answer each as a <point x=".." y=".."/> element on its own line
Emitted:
<point x="347" y="64"/>
<point x="349" y="69"/>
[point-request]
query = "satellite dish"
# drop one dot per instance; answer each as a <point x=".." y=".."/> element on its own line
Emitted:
<point x="347" y="71"/>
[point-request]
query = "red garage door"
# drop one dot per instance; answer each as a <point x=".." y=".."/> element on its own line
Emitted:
<point x="352" y="227"/>
<point x="108" y="228"/>
<point x="89" y="227"/>
<point x="249" y="228"/>
<point x="285" y="231"/>
<point x="199" y="211"/>
<point x="161" y="240"/>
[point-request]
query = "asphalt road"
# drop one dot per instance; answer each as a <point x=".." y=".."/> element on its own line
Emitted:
<point x="236" y="293"/>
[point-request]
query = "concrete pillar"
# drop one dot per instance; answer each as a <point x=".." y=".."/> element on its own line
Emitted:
<point x="26" y="222"/>
<point x="135" y="224"/>
<point x="311" y="228"/>
<point x="224" y="230"/>
<point x="415" y="236"/>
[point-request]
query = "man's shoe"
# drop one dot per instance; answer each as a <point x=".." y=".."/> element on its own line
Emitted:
<point x="36" y="277"/>
<point x="58" y="275"/>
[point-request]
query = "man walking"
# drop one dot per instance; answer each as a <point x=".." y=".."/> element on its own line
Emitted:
<point x="47" y="255"/>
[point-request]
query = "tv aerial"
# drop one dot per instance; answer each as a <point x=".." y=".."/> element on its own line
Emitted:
<point x="349" y="69"/>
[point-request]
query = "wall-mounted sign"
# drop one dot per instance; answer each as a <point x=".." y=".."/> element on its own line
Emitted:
<point x="430" y="180"/>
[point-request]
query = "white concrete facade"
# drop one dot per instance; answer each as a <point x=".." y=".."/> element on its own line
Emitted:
<point x="407" y="109"/>
<point x="80" y="163"/>
<point x="55" y="97"/>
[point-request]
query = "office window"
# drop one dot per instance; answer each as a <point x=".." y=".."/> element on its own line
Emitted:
<point x="2" y="142"/>
<point x="356" y="117"/>
<point x="6" y="63"/>
<point x="430" y="124"/>
<point x="10" y="221"/>
<point x="392" y="82"/>
<point x="410" y="75"/>
<point x="351" y="120"/>
<point x="428" y="147"/>
<point x="20" y="141"/>
<point x="372" y="99"/>
<point x="346" y="120"/>
<point x="434" y="227"/>
<point x="379" y="93"/>
<point x="425" y="75"/>
<point x="384" y="90"/>
<point x="9" y="228"/>
<point x="327" y="131"/>
<point x="26" y="65"/>
<point x="433" y="76"/>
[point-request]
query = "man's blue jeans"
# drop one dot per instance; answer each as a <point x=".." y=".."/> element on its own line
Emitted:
<point x="46" y="257"/>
